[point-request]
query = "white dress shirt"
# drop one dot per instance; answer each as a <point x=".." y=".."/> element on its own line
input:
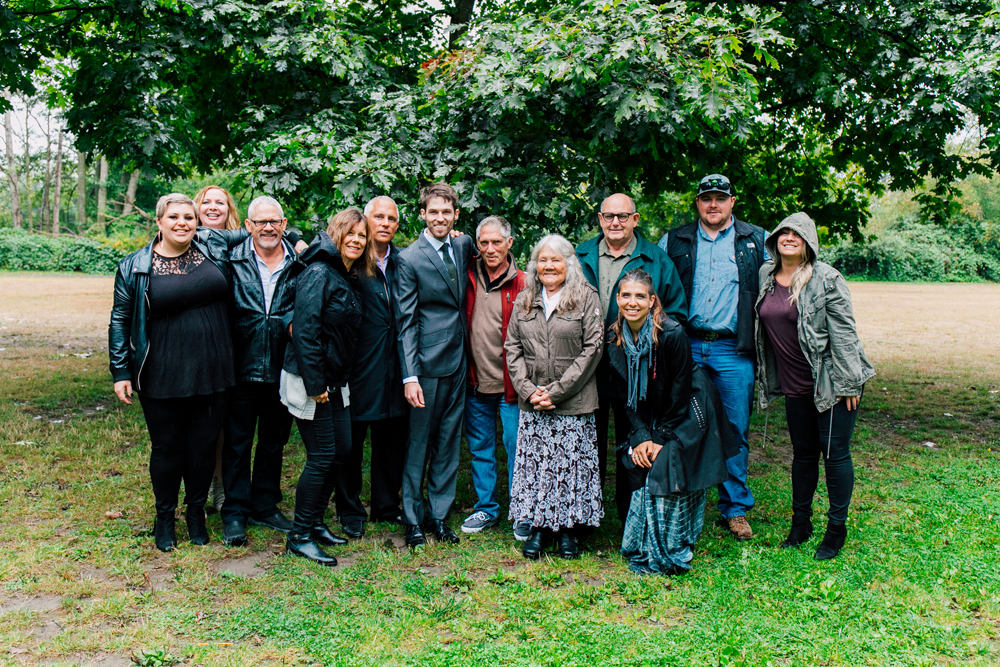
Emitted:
<point x="268" y="278"/>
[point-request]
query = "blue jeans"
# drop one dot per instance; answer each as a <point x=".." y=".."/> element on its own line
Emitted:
<point x="481" y="432"/>
<point x="733" y="375"/>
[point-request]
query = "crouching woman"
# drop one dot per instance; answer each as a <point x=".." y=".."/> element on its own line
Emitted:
<point x="680" y="437"/>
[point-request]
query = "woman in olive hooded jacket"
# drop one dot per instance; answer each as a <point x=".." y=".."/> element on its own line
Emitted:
<point x="808" y="350"/>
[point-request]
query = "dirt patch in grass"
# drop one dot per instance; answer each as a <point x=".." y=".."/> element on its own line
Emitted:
<point x="36" y="603"/>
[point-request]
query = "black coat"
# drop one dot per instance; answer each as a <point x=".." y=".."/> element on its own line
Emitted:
<point x="682" y="247"/>
<point x="128" y="333"/>
<point x="376" y="381"/>
<point x="326" y="320"/>
<point x="682" y="411"/>
<point x="259" y="336"/>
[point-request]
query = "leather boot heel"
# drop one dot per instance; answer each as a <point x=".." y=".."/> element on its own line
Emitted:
<point x="164" y="534"/>
<point x="802" y="530"/>
<point x="833" y="542"/>
<point x="197" y="531"/>
<point x="304" y="546"/>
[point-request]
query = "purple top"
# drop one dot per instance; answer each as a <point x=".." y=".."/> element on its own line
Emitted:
<point x="780" y="320"/>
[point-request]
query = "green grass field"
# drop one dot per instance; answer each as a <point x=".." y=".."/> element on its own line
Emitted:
<point x="917" y="584"/>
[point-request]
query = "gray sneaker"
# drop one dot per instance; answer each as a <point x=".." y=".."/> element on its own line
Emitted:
<point x="522" y="530"/>
<point x="478" y="522"/>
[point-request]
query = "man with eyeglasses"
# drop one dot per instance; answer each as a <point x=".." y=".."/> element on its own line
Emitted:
<point x="617" y="250"/>
<point x="718" y="258"/>
<point x="263" y="297"/>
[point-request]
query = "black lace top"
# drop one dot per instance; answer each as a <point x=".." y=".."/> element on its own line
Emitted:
<point x="190" y="350"/>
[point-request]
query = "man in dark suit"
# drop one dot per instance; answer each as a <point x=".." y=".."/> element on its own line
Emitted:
<point x="430" y="315"/>
<point x="377" y="402"/>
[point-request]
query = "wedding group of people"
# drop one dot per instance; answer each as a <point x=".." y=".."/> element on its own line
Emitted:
<point x="227" y="329"/>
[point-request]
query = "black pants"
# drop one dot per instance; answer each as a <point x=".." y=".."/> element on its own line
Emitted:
<point x="826" y="434"/>
<point x="254" y="406"/>
<point x="605" y="406"/>
<point x="183" y="433"/>
<point x="388" y="452"/>
<point x="327" y="438"/>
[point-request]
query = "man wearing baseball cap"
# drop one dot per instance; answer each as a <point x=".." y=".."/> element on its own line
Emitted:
<point x="718" y="258"/>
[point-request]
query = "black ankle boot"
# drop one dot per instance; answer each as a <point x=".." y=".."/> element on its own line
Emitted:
<point x="567" y="545"/>
<point x="833" y="541"/>
<point x="535" y="544"/>
<point x="321" y="533"/>
<point x="163" y="532"/>
<point x="305" y="546"/>
<point x="197" y="530"/>
<point x="802" y="530"/>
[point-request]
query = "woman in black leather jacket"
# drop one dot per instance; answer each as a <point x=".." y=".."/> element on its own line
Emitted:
<point x="317" y="366"/>
<point x="169" y="341"/>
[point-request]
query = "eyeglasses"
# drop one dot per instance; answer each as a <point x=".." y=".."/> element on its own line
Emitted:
<point x="622" y="217"/>
<point x="714" y="184"/>
<point x="264" y="223"/>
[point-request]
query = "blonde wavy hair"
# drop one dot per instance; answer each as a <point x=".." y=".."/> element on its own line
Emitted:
<point x="803" y="273"/>
<point x="574" y="289"/>
<point x="233" y="221"/>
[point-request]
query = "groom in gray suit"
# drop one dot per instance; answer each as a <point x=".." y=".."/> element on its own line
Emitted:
<point x="430" y="313"/>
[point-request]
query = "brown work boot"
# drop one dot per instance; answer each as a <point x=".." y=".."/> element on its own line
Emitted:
<point x="740" y="528"/>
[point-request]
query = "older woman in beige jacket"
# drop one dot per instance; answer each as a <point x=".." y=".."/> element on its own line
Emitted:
<point x="553" y="345"/>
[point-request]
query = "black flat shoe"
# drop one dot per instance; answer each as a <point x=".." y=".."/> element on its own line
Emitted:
<point x="567" y="546"/>
<point x="276" y="521"/>
<point x="234" y="533"/>
<point x="415" y="537"/>
<point x="307" y="548"/>
<point x="441" y="531"/>
<point x="832" y="542"/>
<point x="197" y="531"/>
<point x="321" y="533"/>
<point x="802" y="530"/>
<point x="164" y="534"/>
<point x="354" y="529"/>
<point x="535" y="544"/>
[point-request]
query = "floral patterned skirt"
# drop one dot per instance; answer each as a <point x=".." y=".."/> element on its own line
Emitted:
<point x="557" y="481"/>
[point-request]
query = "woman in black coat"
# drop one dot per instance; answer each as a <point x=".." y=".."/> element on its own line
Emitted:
<point x="316" y="370"/>
<point x="680" y="437"/>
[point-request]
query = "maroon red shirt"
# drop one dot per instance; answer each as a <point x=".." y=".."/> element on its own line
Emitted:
<point x="780" y="319"/>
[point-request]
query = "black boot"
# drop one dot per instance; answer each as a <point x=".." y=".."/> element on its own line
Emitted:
<point x="163" y="531"/>
<point x="802" y="530"/>
<point x="535" y="544"/>
<point x="321" y="533"/>
<point x="833" y="541"/>
<point x="305" y="546"/>
<point x="567" y="545"/>
<point x="197" y="530"/>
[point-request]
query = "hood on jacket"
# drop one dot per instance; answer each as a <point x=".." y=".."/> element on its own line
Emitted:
<point x="801" y="224"/>
<point x="323" y="249"/>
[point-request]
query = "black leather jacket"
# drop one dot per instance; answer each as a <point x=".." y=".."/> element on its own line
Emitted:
<point x="682" y="247"/>
<point x="260" y="337"/>
<point x="326" y="320"/>
<point x="128" y="335"/>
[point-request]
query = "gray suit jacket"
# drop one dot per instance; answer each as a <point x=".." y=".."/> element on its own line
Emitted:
<point x="430" y="312"/>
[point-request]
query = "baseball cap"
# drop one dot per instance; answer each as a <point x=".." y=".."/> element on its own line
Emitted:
<point x="716" y="183"/>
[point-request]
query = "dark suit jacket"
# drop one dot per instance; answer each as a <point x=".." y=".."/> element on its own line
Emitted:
<point x="430" y="311"/>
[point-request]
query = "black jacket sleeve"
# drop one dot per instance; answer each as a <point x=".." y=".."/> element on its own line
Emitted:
<point x="674" y="361"/>
<point x="311" y="294"/>
<point x="119" y="330"/>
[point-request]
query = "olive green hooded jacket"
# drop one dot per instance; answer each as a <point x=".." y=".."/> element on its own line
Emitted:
<point x="828" y="335"/>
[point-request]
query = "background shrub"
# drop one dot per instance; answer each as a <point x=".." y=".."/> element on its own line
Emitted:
<point x="23" y="251"/>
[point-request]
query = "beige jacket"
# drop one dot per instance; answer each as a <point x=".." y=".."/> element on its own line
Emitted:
<point x="560" y="353"/>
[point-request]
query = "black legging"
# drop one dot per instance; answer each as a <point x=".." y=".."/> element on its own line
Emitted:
<point x="183" y="433"/>
<point x="327" y="438"/>
<point x="812" y="437"/>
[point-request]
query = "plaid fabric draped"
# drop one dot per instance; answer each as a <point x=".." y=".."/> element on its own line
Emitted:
<point x="661" y="531"/>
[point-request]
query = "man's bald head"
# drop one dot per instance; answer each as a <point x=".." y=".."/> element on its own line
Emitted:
<point x="618" y="219"/>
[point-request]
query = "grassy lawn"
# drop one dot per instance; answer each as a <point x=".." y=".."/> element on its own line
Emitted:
<point x="917" y="584"/>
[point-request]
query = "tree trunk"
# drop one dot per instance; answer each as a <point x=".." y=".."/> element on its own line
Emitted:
<point x="27" y="169"/>
<point x="15" y="196"/>
<point x="460" y="20"/>
<point x="81" y="191"/>
<point x="57" y="199"/>
<point x="133" y="183"/>
<point x="46" y="186"/>
<point x="102" y="194"/>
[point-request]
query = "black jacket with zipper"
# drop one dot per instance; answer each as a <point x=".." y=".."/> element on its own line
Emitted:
<point x="128" y="332"/>
<point x="682" y="247"/>
<point x="326" y="320"/>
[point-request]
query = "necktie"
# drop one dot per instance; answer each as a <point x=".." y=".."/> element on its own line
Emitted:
<point x="448" y="263"/>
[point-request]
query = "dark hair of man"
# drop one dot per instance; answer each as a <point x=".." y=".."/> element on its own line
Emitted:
<point x="655" y="310"/>
<point x="442" y="190"/>
<point x="341" y="224"/>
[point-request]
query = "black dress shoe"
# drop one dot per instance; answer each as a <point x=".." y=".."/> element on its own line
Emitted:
<point x="354" y="528"/>
<point x="535" y="544"/>
<point x="163" y="532"/>
<point x="234" y="534"/>
<point x="441" y="531"/>
<point x="197" y="531"/>
<point x="321" y="533"/>
<point x="276" y="521"/>
<point x="304" y="546"/>
<point x="567" y="546"/>
<point x="415" y="536"/>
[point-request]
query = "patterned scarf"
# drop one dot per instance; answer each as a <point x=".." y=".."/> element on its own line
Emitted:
<point x="634" y="353"/>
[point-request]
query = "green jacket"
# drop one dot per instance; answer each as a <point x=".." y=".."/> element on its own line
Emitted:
<point x="828" y="334"/>
<point x="657" y="264"/>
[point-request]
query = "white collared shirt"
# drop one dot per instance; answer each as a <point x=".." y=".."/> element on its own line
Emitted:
<point x="437" y="245"/>
<point x="551" y="302"/>
<point x="268" y="278"/>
